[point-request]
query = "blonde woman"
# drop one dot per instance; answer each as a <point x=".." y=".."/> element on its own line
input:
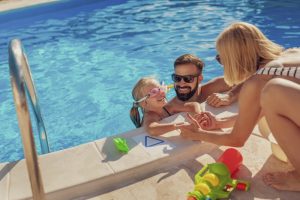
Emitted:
<point x="150" y="98"/>
<point x="270" y="78"/>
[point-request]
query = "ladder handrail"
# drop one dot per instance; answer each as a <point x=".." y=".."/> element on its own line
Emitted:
<point x="21" y="82"/>
<point x="18" y="56"/>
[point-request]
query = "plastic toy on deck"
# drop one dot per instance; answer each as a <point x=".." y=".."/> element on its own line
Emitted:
<point x="121" y="144"/>
<point x="214" y="181"/>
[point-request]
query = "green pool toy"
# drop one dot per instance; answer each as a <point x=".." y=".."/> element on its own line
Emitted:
<point x="213" y="182"/>
<point x="121" y="144"/>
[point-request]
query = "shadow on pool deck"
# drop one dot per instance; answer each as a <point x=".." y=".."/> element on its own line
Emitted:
<point x="174" y="183"/>
<point x="6" y="169"/>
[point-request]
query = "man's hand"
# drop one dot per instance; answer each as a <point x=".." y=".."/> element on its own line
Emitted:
<point x="220" y="99"/>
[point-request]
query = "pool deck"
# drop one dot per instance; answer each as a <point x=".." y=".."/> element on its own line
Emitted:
<point x="154" y="168"/>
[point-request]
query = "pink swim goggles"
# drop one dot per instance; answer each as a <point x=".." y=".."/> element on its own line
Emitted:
<point x="153" y="92"/>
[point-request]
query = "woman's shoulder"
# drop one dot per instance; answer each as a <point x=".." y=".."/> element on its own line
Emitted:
<point x="288" y="58"/>
<point x="290" y="54"/>
<point x="251" y="90"/>
<point x="274" y="63"/>
<point x="253" y="83"/>
<point x="294" y="50"/>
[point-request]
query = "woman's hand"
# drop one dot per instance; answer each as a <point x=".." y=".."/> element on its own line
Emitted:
<point x="206" y="120"/>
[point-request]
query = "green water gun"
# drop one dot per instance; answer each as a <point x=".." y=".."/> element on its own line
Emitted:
<point x="214" y="180"/>
<point x="121" y="145"/>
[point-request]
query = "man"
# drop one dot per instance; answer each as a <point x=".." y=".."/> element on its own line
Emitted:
<point x="187" y="79"/>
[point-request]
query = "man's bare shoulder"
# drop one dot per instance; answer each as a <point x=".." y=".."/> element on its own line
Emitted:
<point x="216" y="85"/>
<point x="175" y="101"/>
<point x="173" y="105"/>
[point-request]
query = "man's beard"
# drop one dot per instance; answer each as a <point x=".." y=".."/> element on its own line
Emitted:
<point x="187" y="96"/>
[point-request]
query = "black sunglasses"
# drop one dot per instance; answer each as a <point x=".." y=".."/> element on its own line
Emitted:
<point x="187" y="78"/>
<point x="218" y="59"/>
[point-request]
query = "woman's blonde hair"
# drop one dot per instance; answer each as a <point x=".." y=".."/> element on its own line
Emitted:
<point x="137" y="94"/>
<point x="243" y="48"/>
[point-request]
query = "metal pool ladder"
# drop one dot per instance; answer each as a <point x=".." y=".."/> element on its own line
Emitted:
<point x="21" y="82"/>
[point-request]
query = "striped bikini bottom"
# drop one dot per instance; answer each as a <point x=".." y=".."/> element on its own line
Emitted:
<point x="280" y="71"/>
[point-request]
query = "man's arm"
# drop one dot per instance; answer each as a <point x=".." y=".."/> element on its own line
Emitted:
<point x="215" y="85"/>
<point x="223" y="97"/>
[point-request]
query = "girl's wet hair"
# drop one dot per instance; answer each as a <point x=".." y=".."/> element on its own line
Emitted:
<point x="138" y="93"/>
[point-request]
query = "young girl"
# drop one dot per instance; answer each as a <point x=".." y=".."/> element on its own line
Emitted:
<point x="150" y="97"/>
<point x="271" y="87"/>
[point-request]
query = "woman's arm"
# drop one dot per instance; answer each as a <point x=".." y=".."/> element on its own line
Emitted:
<point x="249" y="110"/>
<point x="226" y="122"/>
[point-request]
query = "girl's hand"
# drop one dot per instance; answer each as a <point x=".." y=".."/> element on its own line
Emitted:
<point x="191" y="130"/>
<point x="206" y="120"/>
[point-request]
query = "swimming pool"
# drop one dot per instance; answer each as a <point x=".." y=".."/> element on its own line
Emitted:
<point x="86" y="55"/>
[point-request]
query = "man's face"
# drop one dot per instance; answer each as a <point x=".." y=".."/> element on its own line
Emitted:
<point x="186" y="80"/>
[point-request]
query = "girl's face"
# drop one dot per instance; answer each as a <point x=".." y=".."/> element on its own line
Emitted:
<point x="156" y="97"/>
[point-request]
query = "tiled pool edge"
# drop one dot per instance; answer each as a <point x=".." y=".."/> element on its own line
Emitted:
<point x="78" y="172"/>
<point x="126" y="177"/>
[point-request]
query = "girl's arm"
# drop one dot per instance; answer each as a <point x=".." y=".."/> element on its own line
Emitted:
<point x="154" y="127"/>
<point x="249" y="110"/>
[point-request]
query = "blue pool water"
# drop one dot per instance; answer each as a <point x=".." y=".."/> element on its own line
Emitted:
<point x="86" y="55"/>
